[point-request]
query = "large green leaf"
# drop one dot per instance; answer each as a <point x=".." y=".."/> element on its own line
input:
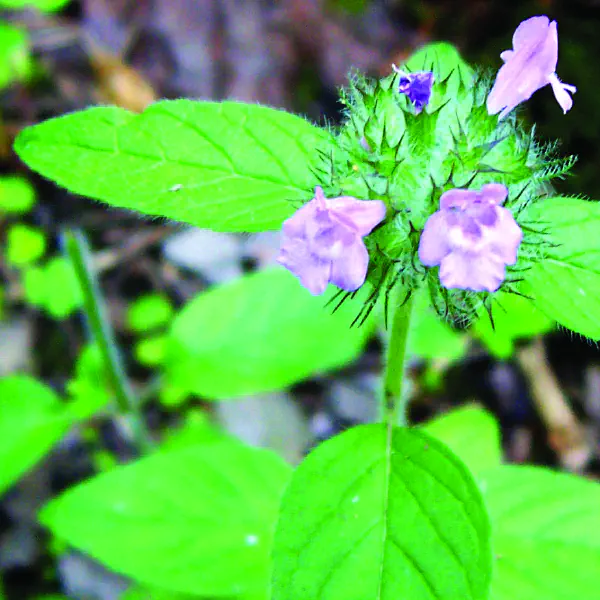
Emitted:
<point x="375" y="514"/>
<point x="566" y="284"/>
<point x="225" y="166"/>
<point x="472" y="433"/>
<point x="546" y="538"/>
<point x="197" y="520"/>
<point x="32" y="420"/>
<point x="260" y="333"/>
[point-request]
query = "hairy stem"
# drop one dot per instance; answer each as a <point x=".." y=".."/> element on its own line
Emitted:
<point x="103" y="335"/>
<point x="393" y="410"/>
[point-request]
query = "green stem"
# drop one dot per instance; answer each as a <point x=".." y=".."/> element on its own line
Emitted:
<point x="99" y="324"/>
<point x="394" y="402"/>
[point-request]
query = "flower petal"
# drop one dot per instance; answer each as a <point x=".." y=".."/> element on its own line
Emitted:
<point x="527" y="68"/>
<point x="506" y="237"/>
<point x="434" y="243"/>
<point x="361" y="215"/>
<point x="531" y="30"/>
<point x="348" y="271"/>
<point x="494" y="192"/>
<point x="561" y="92"/>
<point x="296" y="225"/>
<point x="457" y="198"/>
<point x="468" y="271"/>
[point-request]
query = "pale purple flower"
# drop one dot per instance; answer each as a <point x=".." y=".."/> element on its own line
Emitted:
<point x="472" y="238"/>
<point x="417" y="86"/>
<point x="529" y="66"/>
<point x="322" y="241"/>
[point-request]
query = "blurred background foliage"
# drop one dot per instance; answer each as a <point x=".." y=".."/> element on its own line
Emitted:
<point x="171" y="291"/>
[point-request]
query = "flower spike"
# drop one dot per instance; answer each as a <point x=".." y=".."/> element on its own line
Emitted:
<point x="528" y="67"/>
<point x="472" y="238"/>
<point x="322" y="241"/>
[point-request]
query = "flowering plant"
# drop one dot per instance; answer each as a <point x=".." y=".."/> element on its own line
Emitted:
<point x="431" y="187"/>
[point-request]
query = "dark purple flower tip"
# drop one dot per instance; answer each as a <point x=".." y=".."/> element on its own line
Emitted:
<point x="472" y="238"/>
<point x="417" y="86"/>
<point x="529" y="66"/>
<point x="322" y="241"/>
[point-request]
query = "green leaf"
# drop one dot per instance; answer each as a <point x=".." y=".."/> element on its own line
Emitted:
<point x="514" y="317"/>
<point x="196" y="429"/>
<point x="198" y="520"/>
<point x="53" y="287"/>
<point x="151" y="351"/>
<point x="377" y="514"/>
<point x="16" y="195"/>
<point x="32" y="420"/>
<point x="15" y="58"/>
<point x="43" y="5"/>
<point x="149" y="312"/>
<point x="89" y="389"/>
<point x="566" y="283"/>
<point x="143" y="593"/>
<point x="472" y="433"/>
<point x="260" y="333"/>
<point x="225" y="166"/>
<point x="546" y="539"/>
<point x="24" y="245"/>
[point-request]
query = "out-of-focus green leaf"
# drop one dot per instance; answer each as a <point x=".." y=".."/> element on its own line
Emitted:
<point x="226" y="166"/>
<point x="15" y="58"/>
<point x="53" y="287"/>
<point x="431" y="338"/>
<point x="32" y="420"/>
<point x="89" y="388"/>
<point x="145" y="593"/>
<point x="546" y="539"/>
<point x="260" y="333"/>
<point x="43" y="5"/>
<point x="382" y="514"/>
<point x="149" y="312"/>
<point x="198" y="520"/>
<point x="24" y="244"/>
<point x="472" y="433"/>
<point x="197" y="429"/>
<point x="151" y="351"/>
<point x="16" y="195"/>
<point x="514" y="317"/>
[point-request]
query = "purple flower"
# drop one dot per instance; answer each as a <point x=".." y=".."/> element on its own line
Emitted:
<point x="417" y="86"/>
<point x="322" y="241"/>
<point x="472" y="238"/>
<point x="529" y="66"/>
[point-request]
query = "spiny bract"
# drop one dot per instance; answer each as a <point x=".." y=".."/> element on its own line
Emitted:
<point x="385" y="151"/>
